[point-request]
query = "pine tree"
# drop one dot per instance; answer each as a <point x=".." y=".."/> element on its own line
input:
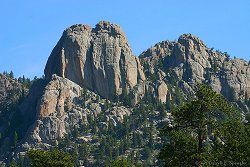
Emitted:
<point x="193" y="124"/>
<point x="13" y="164"/>
<point x="11" y="75"/>
<point x="55" y="158"/>
<point x="119" y="163"/>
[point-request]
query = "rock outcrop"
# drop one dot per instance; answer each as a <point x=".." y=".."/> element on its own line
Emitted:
<point x="52" y="111"/>
<point x="162" y="92"/>
<point x="99" y="59"/>
<point x="116" y="115"/>
<point x="10" y="91"/>
<point x="190" y="61"/>
<point x="64" y="106"/>
<point x="28" y="108"/>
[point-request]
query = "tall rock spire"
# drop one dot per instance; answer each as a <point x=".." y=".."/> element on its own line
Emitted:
<point x="98" y="58"/>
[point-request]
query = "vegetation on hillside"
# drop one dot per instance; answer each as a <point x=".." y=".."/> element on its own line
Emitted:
<point x="203" y="130"/>
<point x="207" y="131"/>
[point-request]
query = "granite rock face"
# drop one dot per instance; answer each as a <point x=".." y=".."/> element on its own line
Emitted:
<point x="162" y="92"/>
<point x="99" y="59"/>
<point x="52" y="116"/>
<point x="64" y="106"/>
<point x="116" y="114"/>
<point x="190" y="61"/>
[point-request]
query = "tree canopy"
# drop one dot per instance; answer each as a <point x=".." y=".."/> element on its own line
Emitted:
<point x="55" y="158"/>
<point x="207" y="131"/>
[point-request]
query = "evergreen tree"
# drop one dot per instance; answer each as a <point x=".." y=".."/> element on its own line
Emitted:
<point x="11" y="75"/>
<point x="119" y="163"/>
<point x="235" y="143"/>
<point x="193" y="123"/>
<point x="56" y="158"/>
<point x="75" y="132"/>
<point x="13" y="164"/>
<point x="84" y="151"/>
<point x="15" y="138"/>
<point x="125" y="97"/>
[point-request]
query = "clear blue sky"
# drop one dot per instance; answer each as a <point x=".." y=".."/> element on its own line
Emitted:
<point x="30" y="29"/>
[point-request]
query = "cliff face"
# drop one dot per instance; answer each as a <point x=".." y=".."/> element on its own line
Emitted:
<point x="62" y="108"/>
<point x="99" y="59"/>
<point x="51" y="113"/>
<point x="190" y="61"/>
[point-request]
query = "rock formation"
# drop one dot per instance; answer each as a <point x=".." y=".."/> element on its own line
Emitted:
<point x="190" y="61"/>
<point x="99" y="59"/>
<point x="162" y="92"/>
<point x="63" y="106"/>
<point x="52" y="111"/>
<point x="10" y="90"/>
<point x="88" y="66"/>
